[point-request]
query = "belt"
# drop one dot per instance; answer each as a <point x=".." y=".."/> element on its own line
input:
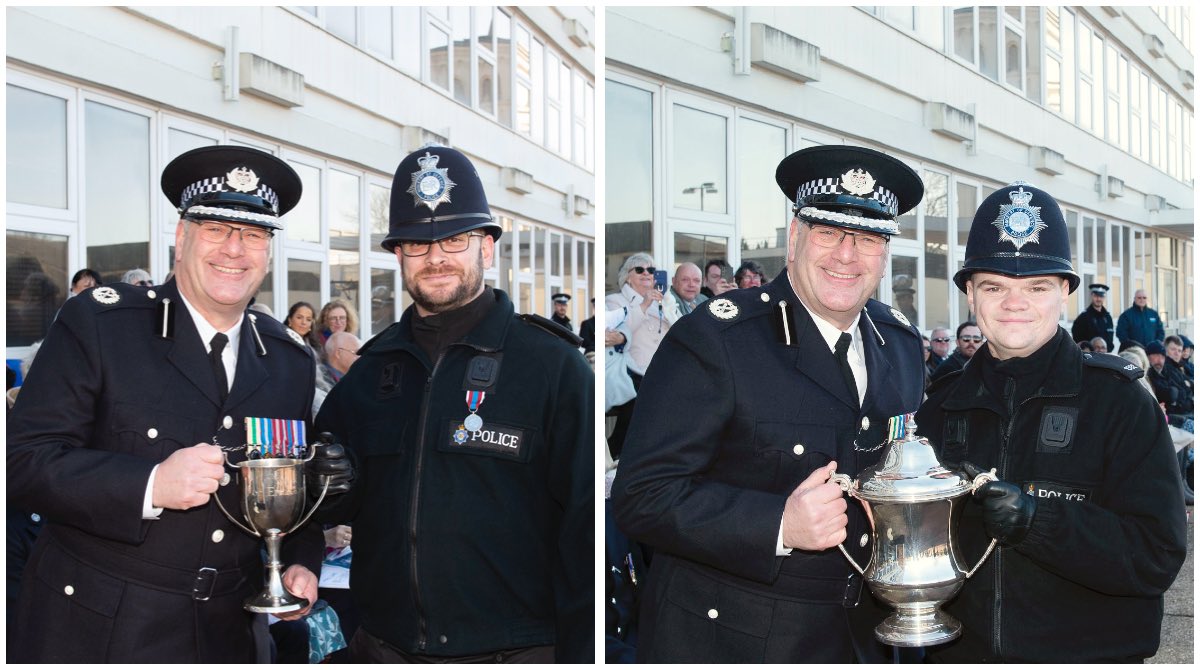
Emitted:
<point x="200" y="584"/>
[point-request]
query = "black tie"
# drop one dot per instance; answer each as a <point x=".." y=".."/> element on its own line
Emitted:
<point x="839" y="352"/>
<point x="218" y="345"/>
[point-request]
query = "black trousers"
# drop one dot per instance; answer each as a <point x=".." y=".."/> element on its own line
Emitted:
<point x="366" y="648"/>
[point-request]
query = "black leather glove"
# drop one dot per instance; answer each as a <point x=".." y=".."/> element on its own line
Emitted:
<point x="331" y="459"/>
<point x="1007" y="513"/>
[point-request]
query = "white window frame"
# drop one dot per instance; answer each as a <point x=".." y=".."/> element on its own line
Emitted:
<point x="729" y="113"/>
<point x="70" y="94"/>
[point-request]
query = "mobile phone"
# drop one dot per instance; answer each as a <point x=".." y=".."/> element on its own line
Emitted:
<point x="660" y="281"/>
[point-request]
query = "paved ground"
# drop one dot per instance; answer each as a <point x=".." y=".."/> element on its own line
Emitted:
<point x="1179" y="631"/>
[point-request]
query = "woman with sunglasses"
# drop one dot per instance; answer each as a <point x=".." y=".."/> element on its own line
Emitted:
<point x="648" y="322"/>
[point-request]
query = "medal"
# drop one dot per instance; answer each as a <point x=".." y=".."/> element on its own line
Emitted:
<point x="474" y="422"/>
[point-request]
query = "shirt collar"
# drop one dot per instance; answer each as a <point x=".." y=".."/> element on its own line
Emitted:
<point x="207" y="330"/>
<point x="829" y="332"/>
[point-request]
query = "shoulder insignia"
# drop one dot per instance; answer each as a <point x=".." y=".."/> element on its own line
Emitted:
<point x="106" y="295"/>
<point x="552" y="328"/>
<point x="1117" y="364"/>
<point x="900" y="316"/>
<point x="723" y="308"/>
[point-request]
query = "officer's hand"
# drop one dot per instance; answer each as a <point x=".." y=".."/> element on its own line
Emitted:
<point x="331" y="459"/>
<point x="300" y="581"/>
<point x="815" y="515"/>
<point x="187" y="477"/>
<point x="1007" y="513"/>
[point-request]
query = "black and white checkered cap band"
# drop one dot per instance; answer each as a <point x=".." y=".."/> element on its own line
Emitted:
<point x="830" y="186"/>
<point x="217" y="184"/>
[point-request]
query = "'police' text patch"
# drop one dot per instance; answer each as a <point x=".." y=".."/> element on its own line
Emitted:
<point x="1056" y="490"/>
<point x="492" y="439"/>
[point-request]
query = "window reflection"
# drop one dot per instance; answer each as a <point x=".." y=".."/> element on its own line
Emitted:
<point x="35" y="284"/>
<point x="36" y="135"/>
<point x="117" y="190"/>
<point x="762" y="207"/>
<point x="698" y="160"/>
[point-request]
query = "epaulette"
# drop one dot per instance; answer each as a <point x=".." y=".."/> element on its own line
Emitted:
<point x="552" y="328"/>
<point x="118" y="296"/>
<point x="884" y="313"/>
<point x="739" y="304"/>
<point x="1127" y="370"/>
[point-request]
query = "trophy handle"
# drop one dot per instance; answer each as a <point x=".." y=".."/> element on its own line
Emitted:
<point x="843" y="481"/>
<point x="225" y="511"/>
<point x="981" y="479"/>
<point x="325" y="479"/>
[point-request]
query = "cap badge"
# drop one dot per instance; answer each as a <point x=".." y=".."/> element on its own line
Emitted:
<point x="1019" y="223"/>
<point x="106" y="295"/>
<point x="723" y="309"/>
<point x="900" y="316"/>
<point x="430" y="185"/>
<point x="858" y="182"/>
<point x="242" y="179"/>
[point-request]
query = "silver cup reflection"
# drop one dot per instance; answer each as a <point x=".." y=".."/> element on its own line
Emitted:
<point x="272" y="495"/>
<point x="913" y="503"/>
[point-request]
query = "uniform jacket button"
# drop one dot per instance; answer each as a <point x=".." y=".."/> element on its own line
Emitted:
<point x="218" y="535"/>
<point x="35" y="517"/>
<point x="69" y="590"/>
<point x="862" y="541"/>
<point x="798" y="450"/>
<point x="443" y="639"/>
<point x="866" y="423"/>
<point x="227" y="422"/>
<point x="765" y="297"/>
<point x="151" y="294"/>
<point x="152" y="433"/>
<point x="712" y="614"/>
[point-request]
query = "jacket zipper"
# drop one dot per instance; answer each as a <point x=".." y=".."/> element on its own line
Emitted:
<point x="1002" y="470"/>
<point x="416" y="498"/>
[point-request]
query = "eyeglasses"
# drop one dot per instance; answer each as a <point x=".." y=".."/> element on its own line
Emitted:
<point x="217" y="233"/>
<point x="451" y="245"/>
<point x="650" y="270"/>
<point x="973" y="338"/>
<point x="353" y="352"/>
<point x="940" y="339"/>
<point x="336" y="319"/>
<point x="928" y="349"/>
<point x="830" y="237"/>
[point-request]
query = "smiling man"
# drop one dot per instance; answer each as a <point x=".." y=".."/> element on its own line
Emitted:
<point x="115" y="439"/>
<point x="1088" y="511"/>
<point x="472" y="428"/>
<point x="746" y="409"/>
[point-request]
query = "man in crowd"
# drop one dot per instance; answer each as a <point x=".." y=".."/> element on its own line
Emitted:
<point x="1099" y="345"/>
<point x="1140" y="323"/>
<point x="939" y="341"/>
<point x="746" y="410"/>
<point x="117" y="440"/>
<point x="1088" y="513"/>
<point x="561" y="302"/>
<point x="1171" y="383"/>
<point x="715" y="282"/>
<point x="685" y="288"/>
<point x="472" y="430"/>
<point x="341" y="350"/>
<point x="1095" y="321"/>
<point x="969" y="339"/>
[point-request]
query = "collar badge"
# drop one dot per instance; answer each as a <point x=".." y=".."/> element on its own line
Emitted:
<point x="106" y="295"/>
<point x="1020" y="223"/>
<point x="723" y="309"/>
<point x="858" y="182"/>
<point x="242" y="180"/>
<point x="900" y="316"/>
<point x="431" y="185"/>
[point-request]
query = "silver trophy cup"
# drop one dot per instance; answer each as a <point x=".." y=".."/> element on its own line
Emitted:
<point x="273" y="497"/>
<point x="913" y="503"/>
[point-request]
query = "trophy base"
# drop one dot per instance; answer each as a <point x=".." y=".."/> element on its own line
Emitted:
<point x="265" y="603"/>
<point x="918" y="627"/>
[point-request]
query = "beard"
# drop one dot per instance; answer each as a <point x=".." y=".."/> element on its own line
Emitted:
<point x="444" y="300"/>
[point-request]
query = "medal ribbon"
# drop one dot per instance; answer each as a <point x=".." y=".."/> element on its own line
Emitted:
<point x="896" y="427"/>
<point x="474" y="400"/>
<point x="276" y="437"/>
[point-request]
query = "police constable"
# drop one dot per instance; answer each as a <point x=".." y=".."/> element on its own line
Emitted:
<point x="1095" y="321"/>
<point x="561" y="300"/>
<point x="748" y="406"/>
<point x="115" y="439"/>
<point x="472" y="431"/>
<point x="1088" y="514"/>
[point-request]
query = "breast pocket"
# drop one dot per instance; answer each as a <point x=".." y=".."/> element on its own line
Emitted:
<point x="793" y="450"/>
<point x="152" y="433"/>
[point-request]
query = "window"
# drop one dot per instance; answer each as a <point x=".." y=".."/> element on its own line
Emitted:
<point x="629" y="173"/>
<point x="936" y="208"/>
<point x="523" y="87"/>
<point x="988" y="57"/>
<point x="117" y="184"/>
<point x="36" y="133"/>
<point x="36" y="284"/>
<point x="303" y="284"/>
<point x="439" y="55"/>
<point x="1087" y="82"/>
<point x="698" y="169"/>
<point x="964" y="33"/>
<point x="762" y="208"/>
<point x="378" y="209"/>
<point x="344" y="226"/>
<point x="460" y="67"/>
<point x="554" y="103"/>
<point x="303" y="223"/>
<point x="377" y="24"/>
<point x="1068" y="64"/>
<point x="1033" y="54"/>
<point x="383" y="301"/>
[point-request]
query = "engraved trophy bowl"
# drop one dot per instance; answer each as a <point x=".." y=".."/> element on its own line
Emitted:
<point x="272" y="495"/>
<point x="913" y="504"/>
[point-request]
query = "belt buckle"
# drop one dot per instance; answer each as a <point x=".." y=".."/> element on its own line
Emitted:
<point x="206" y="582"/>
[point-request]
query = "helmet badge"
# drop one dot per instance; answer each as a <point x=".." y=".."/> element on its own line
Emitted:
<point x="1020" y="222"/>
<point x="430" y="184"/>
<point x="242" y="179"/>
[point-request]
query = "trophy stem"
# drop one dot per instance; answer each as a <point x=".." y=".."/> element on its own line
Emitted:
<point x="274" y="599"/>
<point x="919" y="624"/>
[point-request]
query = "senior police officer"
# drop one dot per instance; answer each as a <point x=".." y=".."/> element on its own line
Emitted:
<point x="1089" y="513"/>
<point x="1095" y="321"/>
<point x="115" y="439"/>
<point x="783" y="384"/>
<point x="472" y="430"/>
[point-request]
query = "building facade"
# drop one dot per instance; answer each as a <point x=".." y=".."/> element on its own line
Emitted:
<point x="1093" y="104"/>
<point x="100" y="99"/>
